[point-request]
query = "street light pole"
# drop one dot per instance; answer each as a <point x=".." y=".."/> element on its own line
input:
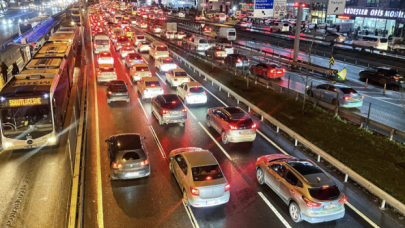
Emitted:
<point x="297" y="33"/>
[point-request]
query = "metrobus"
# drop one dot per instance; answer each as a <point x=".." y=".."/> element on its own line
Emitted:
<point x="68" y="36"/>
<point x="75" y="12"/>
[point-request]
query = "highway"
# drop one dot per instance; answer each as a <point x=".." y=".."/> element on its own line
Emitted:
<point x="155" y="201"/>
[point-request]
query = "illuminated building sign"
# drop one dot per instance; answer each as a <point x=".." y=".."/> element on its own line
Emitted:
<point x="375" y="12"/>
<point x="24" y="102"/>
<point x="345" y="17"/>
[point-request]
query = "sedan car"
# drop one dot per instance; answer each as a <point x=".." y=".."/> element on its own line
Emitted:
<point x="216" y="52"/>
<point x="309" y="192"/>
<point x="105" y="57"/>
<point x="164" y="64"/>
<point x="236" y="60"/>
<point x="157" y="29"/>
<point x="199" y="177"/>
<point x="176" y="77"/>
<point x="232" y="123"/>
<point x="126" y="50"/>
<point x="142" y="46"/>
<point x="336" y="94"/>
<point x="122" y="41"/>
<point x="334" y="37"/>
<point x="167" y="108"/>
<point x="124" y="24"/>
<point x="192" y="93"/>
<point x="267" y="70"/>
<point x="133" y="58"/>
<point x="106" y="73"/>
<point x="117" y="91"/>
<point x="139" y="71"/>
<point x="149" y="87"/>
<point x="128" y="157"/>
<point x="382" y="75"/>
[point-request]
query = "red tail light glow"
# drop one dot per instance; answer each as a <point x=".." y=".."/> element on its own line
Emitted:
<point x="175" y="79"/>
<point x="346" y="98"/>
<point x="310" y="203"/>
<point x="136" y="74"/>
<point x="150" y="73"/>
<point x="184" y="110"/>
<point x="254" y="126"/>
<point x="116" y="165"/>
<point x="114" y="73"/>
<point x="188" y="94"/>
<point x="396" y="77"/>
<point x="109" y="93"/>
<point x="227" y="187"/>
<point x="165" y="111"/>
<point x="153" y="85"/>
<point x="194" y="191"/>
<point x="144" y="162"/>
<point x="99" y="73"/>
<point x="362" y="96"/>
<point x="95" y="45"/>
<point x="343" y="199"/>
<point x="233" y="127"/>
<point x="208" y="178"/>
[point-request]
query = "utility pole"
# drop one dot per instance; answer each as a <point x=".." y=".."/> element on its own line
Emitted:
<point x="297" y="33"/>
<point x="306" y="80"/>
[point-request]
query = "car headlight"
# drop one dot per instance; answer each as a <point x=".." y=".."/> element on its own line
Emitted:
<point x="52" y="139"/>
<point x="8" y="144"/>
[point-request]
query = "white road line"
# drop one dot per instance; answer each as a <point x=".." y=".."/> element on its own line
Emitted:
<point x="274" y="210"/>
<point x="157" y="142"/>
<point x="384" y="101"/>
<point x="100" y="218"/>
<point x="216" y="142"/>
<point x="191" y="217"/>
<point x="160" y="78"/>
<point x="143" y="109"/>
<point x="385" y="98"/>
<point x="362" y="215"/>
<point x="272" y="143"/>
<point x="215" y="96"/>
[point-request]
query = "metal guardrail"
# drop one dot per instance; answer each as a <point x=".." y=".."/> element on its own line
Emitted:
<point x="349" y="173"/>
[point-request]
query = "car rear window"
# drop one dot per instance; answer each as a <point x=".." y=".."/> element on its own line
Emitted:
<point x="102" y="42"/>
<point x="152" y="83"/>
<point x="232" y="33"/>
<point x="203" y="41"/>
<point x="122" y="39"/>
<point x="348" y="90"/>
<point x="140" y="37"/>
<point x="168" y="61"/>
<point x="173" y="104"/>
<point x="209" y="172"/>
<point x="105" y="54"/>
<point x="142" y="69"/>
<point x="159" y="48"/>
<point x="196" y="89"/>
<point x="117" y="88"/>
<point x="241" y="120"/>
<point x="325" y="192"/>
<point x="180" y="74"/>
<point x="130" y="156"/>
<point x="106" y="69"/>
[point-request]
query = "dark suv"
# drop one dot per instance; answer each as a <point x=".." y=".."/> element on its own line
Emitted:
<point x="168" y="108"/>
<point x="382" y="75"/>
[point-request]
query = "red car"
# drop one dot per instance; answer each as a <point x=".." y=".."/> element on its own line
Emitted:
<point x="267" y="70"/>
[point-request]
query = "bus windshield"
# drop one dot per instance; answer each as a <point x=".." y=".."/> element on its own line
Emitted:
<point x="35" y="120"/>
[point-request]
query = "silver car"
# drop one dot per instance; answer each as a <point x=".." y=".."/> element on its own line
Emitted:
<point x="309" y="192"/>
<point x="128" y="157"/>
<point x="232" y="123"/>
<point x="167" y="108"/>
<point x="117" y="91"/>
<point x="199" y="176"/>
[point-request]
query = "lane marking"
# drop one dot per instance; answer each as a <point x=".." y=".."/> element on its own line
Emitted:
<point x="384" y="101"/>
<point x="362" y="215"/>
<point x="191" y="216"/>
<point x="274" y="210"/>
<point x="216" y="142"/>
<point x="157" y="142"/>
<point x="100" y="213"/>
<point x="384" y="98"/>
<point x="160" y="78"/>
<point x="272" y="143"/>
<point x="143" y="108"/>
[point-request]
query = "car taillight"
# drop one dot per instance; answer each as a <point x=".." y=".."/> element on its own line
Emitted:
<point x="208" y="178"/>
<point x="145" y="162"/>
<point x="116" y="43"/>
<point x="155" y="53"/>
<point x="130" y="60"/>
<point x="362" y="96"/>
<point x="175" y="79"/>
<point x="227" y="187"/>
<point x="396" y="77"/>
<point x="188" y="94"/>
<point x="150" y="73"/>
<point x="184" y="110"/>
<point x="310" y="203"/>
<point x="109" y="93"/>
<point x="95" y="45"/>
<point x="194" y="191"/>
<point x="136" y="74"/>
<point x="346" y="98"/>
<point x="114" y="72"/>
<point x="283" y="70"/>
<point x="116" y="165"/>
<point x="238" y="60"/>
<point x="343" y="199"/>
<point x="254" y="126"/>
<point x="165" y="111"/>
<point x="271" y="71"/>
<point x="233" y="127"/>
<point x="99" y="73"/>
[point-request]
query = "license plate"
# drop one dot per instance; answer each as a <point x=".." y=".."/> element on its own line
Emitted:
<point x="30" y="146"/>
<point x="244" y="132"/>
<point x="174" y="113"/>
<point x="120" y="93"/>
<point x="213" y="202"/>
<point x="131" y="174"/>
<point x="327" y="207"/>
<point x="355" y="99"/>
<point x="278" y="71"/>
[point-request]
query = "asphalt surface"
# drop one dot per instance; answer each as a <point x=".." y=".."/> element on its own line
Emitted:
<point x="155" y="201"/>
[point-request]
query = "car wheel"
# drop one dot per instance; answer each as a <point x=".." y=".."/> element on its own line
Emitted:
<point x="185" y="199"/>
<point x="335" y="102"/>
<point x="208" y="121"/>
<point x="260" y="176"/>
<point x="295" y="212"/>
<point x="224" y="138"/>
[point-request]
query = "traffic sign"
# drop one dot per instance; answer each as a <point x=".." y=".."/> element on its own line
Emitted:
<point x="280" y="8"/>
<point x="336" y="7"/>
<point x="334" y="71"/>
<point x="331" y="61"/>
<point x="263" y="8"/>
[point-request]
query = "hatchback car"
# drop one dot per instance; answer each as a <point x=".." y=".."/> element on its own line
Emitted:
<point x="232" y="123"/>
<point x="157" y="29"/>
<point x="176" y="77"/>
<point x="133" y="58"/>
<point x="227" y="47"/>
<point x="236" y="60"/>
<point x="149" y="87"/>
<point x="309" y="192"/>
<point x="138" y="71"/>
<point x="216" y="52"/>
<point x="138" y="38"/>
<point x="121" y="41"/>
<point x="128" y="157"/>
<point x="267" y="70"/>
<point x="106" y="73"/>
<point x="105" y="57"/>
<point x="164" y="64"/>
<point x="167" y="108"/>
<point x="143" y="46"/>
<point x="382" y="75"/>
<point x="336" y="94"/>
<point x="126" y="50"/>
<point x="117" y="91"/>
<point x="192" y="93"/>
<point x="199" y="177"/>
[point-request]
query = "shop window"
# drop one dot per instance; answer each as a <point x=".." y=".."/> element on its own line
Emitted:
<point x="351" y="2"/>
<point x="395" y="3"/>
<point x="373" y="3"/>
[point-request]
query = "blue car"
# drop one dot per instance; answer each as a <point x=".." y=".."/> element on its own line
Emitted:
<point x="347" y="97"/>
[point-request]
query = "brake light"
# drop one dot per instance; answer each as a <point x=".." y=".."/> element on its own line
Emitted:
<point x="150" y="73"/>
<point x="227" y="187"/>
<point x="184" y="110"/>
<point x="130" y="60"/>
<point x="271" y="71"/>
<point x="188" y="94"/>
<point x="128" y="44"/>
<point x="155" y="53"/>
<point x="194" y="191"/>
<point x="165" y="111"/>
<point x="346" y="98"/>
<point x="396" y="77"/>
<point x="208" y="178"/>
<point x="145" y="162"/>
<point x="136" y="74"/>
<point x="310" y="203"/>
<point x="238" y="60"/>
<point x="99" y="59"/>
<point x="325" y="187"/>
<point x="362" y="96"/>
<point x="233" y="127"/>
<point x="95" y="45"/>
<point x="114" y="73"/>
<point x="343" y="199"/>
<point x="116" y="165"/>
<point x="116" y="43"/>
<point x="254" y="126"/>
<point x="99" y="73"/>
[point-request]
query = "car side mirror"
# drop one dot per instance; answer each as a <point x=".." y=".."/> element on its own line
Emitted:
<point x="144" y="137"/>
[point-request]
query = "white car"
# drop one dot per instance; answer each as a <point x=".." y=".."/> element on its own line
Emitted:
<point x="246" y="24"/>
<point x="192" y="93"/>
<point x="142" y="46"/>
<point x="105" y="57"/>
<point x="126" y="50"/>
<point x="181" y="15"/>
<point x="106" y="73"/>
<point x="176" y="77"/>
<point x="149" y="87"/>
<point x="157" y="29"/>
<point x="165" y="64"/>
<point x="227" y="47"/>
<point x="143" y="25"/>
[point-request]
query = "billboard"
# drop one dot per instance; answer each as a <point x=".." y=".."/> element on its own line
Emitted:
<point x="263" y="8"/>
<point x="280" y="8"/>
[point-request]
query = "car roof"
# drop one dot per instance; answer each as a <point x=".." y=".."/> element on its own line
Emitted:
<point x="141" y="65"/>
<point x="150" y="79"/>
<point x="100" y="36"/>
<point x="178" y="70"/>
<point x="130" y="141"/>
<point x="192" y="83"/>
<point x="200" y="158"/>
<point x="169" y="97"/>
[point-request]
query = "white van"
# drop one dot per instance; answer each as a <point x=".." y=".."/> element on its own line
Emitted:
<point x="201" y="44"/>
<point x="343" y="27"/>
<point x="280" y="27"/>
<point x="157" y="50"/>
<point x="372" y="41"/>
<point x="227" y="33"/>
<point x="101" y="43"/>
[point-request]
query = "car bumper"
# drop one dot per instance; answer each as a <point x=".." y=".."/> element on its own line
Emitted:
<point x="151" y="95"/>
<point x="105" y="79"/>
<point x="105" y="62"/>
<point x="196" y="201"/>
<point x="191" y="100"/>
<point x="117" y="98"/>
<point x="351" y="104"/>
<point x="174" y="119"/>
<point x="324" y="217"/>
<point x="121" y="175"/>
<point x="241" y="138"/>
<point x="98" y="50"/>
<point x="202" y="48"/>
<point x="144" y="49"/>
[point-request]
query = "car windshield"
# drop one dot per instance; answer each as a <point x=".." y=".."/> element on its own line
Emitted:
<point x="142" y="69"/>
<point x="348" y="90"/>
<point x="209" y="172"/>
<point x="102" y="42"/>
<point x="160" y="48"/>
<point x="122" y="39"/>
<point x="196" y="89"/>
<point x="180" y="74"/>
<point x="152" y="83"/>
<point x="325" y="192"/>
<point x="168" y="61"/>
